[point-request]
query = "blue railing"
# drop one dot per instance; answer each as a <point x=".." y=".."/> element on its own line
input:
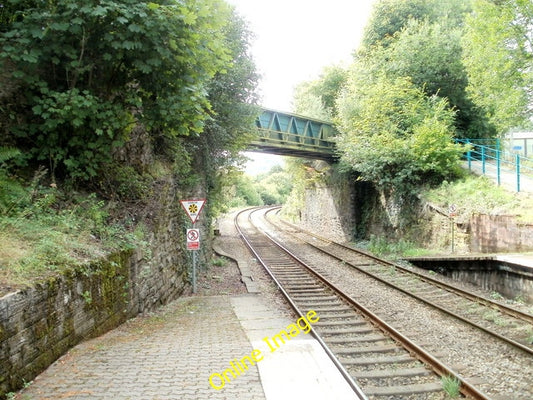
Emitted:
<point x="493" y="153"/>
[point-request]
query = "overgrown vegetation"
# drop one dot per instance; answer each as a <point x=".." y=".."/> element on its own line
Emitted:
<point x="101" y="101"/>
<point x="418" y="80"/>
<point x="269" y="188"/>
<point x="475" y="194"/>
<point x="47" y="231"/>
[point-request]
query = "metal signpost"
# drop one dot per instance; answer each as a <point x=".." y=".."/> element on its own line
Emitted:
<point x="453" y="212"/>
<point x="193" y="208"/>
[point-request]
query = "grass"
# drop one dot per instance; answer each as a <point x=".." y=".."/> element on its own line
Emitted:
<point x="451" y="386"/>
<point x="219" y="262"/>
<point x="383" y="247"/>
<point x="53" y="230"/>
<point x="479" y="195"/>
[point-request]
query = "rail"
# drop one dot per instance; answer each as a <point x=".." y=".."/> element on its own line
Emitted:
<point x="417" y="352"/>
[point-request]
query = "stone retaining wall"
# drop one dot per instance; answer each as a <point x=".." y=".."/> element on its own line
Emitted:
<point x="39" y="324"/>
<point x="500" y="234"/>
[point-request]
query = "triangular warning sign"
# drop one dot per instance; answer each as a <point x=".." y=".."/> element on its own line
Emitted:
<point x="193" y="208"/>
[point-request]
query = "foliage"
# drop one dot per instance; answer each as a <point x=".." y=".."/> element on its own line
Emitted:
<point x="121" y="94"/>
<point x="89" y="71"/>
<point x="228" y="130"/>
<point x="396" y="136"/>
<point x="246" y="190"/>
<point x="479" y="195"/>
<point x="451" y="385"/>
<point x="295" y="201"/>
<point x="391" y="16"/>
<point x="498" y="57"/>
<point x="55" y="230"/>
<point x="317" y="99"/>
<point x="307" y="102"/>
<point x="269" y="188"/>
<point x="274" y="187"/>
<point x="430" y="55"/>
<point x="382" y="247"/>
<point x="12" y="193"/>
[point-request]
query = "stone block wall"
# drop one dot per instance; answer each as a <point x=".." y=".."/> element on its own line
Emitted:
<point x="500" y="233"/>
<point x="329" y="207"/>
<point x="41" y="323"/>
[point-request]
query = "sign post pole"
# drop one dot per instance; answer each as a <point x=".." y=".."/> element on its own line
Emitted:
<point x="453" y="212"/>
<point x="194" y="272"/>
<point x="193" y="209"/>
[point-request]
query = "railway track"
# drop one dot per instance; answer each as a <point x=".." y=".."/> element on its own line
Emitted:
<point x="508" y="324"/>
<point x="378" y="360"/>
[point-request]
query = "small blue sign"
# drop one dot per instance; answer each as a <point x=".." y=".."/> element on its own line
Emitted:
<point x="517" y="148"/>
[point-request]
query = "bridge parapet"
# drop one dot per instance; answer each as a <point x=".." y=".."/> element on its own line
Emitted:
<point x="294" y="135"/>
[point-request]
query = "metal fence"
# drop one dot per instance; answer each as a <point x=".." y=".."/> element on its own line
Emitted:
<point x="498" y="154"/>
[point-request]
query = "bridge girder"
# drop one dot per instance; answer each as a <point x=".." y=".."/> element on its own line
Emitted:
<point x="289" y="134"/>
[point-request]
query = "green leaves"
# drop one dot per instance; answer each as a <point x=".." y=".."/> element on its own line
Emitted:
<point x="395" y="136"/>
<point x="88" y="70"/>
<point x="498" y="57"/>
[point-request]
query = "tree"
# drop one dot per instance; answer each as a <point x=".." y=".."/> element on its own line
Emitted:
<point x="498" y="57"/>
<point x="233" y="99"/>
<point x="317" y="99"/>
<point x="306" y="102"/>
<point x="87" y="72"/>
<point x="430" y="55"/>
<point x="396" y="136"/>
<point x="391" y="16"/>
<point x="275" y="186"/>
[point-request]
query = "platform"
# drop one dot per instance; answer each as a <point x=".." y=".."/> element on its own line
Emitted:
<point x="172" y="353"/>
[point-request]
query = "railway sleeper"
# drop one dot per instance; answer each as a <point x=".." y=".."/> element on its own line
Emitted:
<point x="335" y="326"/>
<point x="321" y="311"/>
<point x="308" y="290"/>
<point x="311" y="301"/>
<point x="402" y="390"/>
<point x="336" y="314"/>
<point x="355" y="339"/>
<point x="386" y="373"/>
<point x="373" y="361"/>
<point x="294" y="276"/>
<point x="387" y="348"/>
<point x="298" y="285"/>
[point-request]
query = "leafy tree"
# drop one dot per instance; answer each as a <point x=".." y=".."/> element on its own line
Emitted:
<point x="498" y="56"/>
<point x="396" y="136"/>
<point x="430" y="55"/>
<point x="243" y="192"/>
<point x="391" y="16"/>
<point x="87" y="72"/>
<point x="275" y="186"/>
<point x="233" y="111"/>
<point x="317" y="99"/>
<point x="307" y="102"/>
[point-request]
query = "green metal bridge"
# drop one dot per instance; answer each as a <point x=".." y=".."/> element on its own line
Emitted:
<point x="293" y="135"/>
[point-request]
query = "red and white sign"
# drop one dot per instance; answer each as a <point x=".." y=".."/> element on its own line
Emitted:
<point x="193" y="208"/>
<point x="193" y="239"/>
